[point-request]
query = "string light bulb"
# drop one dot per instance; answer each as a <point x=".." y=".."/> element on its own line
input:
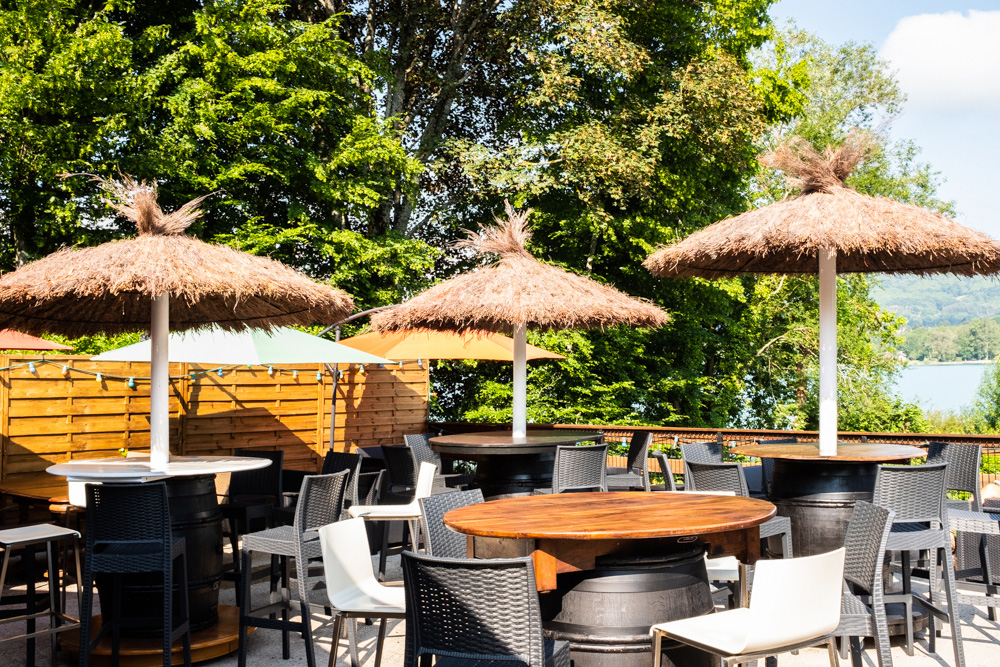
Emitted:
<point x="319" y="376"/>
<point x="31" y="367"/>
<point x="270" y="371"/>
<point x="99" y="378"/>
<point x="131" y="383"/>
<point x="65" y="371"/>
<point x="219" y="372"/>
<point x="361" y="368"/>
<point x="295" y="375"/>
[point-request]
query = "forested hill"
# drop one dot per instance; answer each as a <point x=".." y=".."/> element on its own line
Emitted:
<point x="939" y="300"/>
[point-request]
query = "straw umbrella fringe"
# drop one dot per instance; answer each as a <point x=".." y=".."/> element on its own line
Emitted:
<point x="513" y="294"/>
<point x="127" y="285"/>
<point x="828" y="227"/>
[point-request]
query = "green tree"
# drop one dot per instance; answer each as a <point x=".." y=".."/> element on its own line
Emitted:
<point x="67" y="91"/>
<point x="979" y="340"/>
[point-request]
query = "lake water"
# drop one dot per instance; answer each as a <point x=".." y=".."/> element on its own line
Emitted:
<point x="941" y="386"/>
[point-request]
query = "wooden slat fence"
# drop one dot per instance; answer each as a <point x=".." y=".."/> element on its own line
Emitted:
<point x="49" y="416"/>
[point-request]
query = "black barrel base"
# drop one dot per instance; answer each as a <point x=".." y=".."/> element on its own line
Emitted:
<point x="513" y="476"/>
<point x="606" y="613"/>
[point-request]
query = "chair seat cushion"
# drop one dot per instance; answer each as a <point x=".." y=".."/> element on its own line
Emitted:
<point x="372" y="597"/>
<point x="386" y="512"/>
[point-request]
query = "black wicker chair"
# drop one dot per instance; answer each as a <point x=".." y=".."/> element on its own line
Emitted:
<point x="701" y="452"/>
<point x="635" y="475"/>
<point x="729" y="477"/>
<point x="580" y="468"/>
<point x="917" y="495"/>
<point x="128" y="531"/>
<point x="452" y="612"/>
<point x="401" y="469"/>
<point x="439" y="540"/>
<point x="253" y="498"/>
<point x="350" y="461"/>
<point x="668" y="476"/>
<point x="862" y="608"/>
<point x="321" y="502"/>
<point x="421" y="444"/>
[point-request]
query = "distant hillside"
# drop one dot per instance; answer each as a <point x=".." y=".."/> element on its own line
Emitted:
<point x="939" y="300"/>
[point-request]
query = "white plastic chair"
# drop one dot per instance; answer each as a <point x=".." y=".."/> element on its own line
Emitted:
<point x="795" y="604"/>
<point x="351" y="585"/>
<point x="410" y="512"/>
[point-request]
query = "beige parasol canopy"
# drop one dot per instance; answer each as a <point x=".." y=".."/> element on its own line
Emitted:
<point x="513" y="294"/>
<point x="828" y="227"/>
<point x="160" y="280"/>
<point x="869" y="234"/>
<point x="110" y="288"/>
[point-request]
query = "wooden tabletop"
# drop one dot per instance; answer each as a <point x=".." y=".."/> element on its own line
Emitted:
<point x="35" y="486"/>
<point x="504" y="442"/>
<point x="846" y="451"/>
<point x="607" y="516"/>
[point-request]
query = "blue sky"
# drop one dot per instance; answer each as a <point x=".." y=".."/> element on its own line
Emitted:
<point x="947" y="59"/>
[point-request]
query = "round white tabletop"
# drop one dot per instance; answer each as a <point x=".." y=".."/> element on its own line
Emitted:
<point x="136" y="468"/>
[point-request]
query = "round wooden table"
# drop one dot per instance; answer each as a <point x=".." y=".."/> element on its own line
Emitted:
<point x="613" y="564"/>
<point x="818" y="492"/>
<point x="509" y="466"/>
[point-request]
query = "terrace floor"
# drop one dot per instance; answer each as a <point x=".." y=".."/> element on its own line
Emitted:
<point x="981" y="641"/>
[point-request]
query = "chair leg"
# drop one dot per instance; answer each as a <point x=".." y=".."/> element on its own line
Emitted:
<point x="244" y="584"/>
<point x="907" y="602"/>
<point x="307" y="628"/>
<point x="657" y="650"/>
<point x="186" y="608"/>
<point x="338" y="621"/>
<point x="855" y="646"/>
<point x="831" y="649"/>
<point x="380" y="642"/>
<point x="286" y="651"/>
<point x="953" y="611"/>
<point x="168" y="613"/>
<point x="881" y="632"/>
<point x="86" y="607"/>
<point x="116" y="620"/>
<point x="352" y="641"/>
<point x="31" y="604"/>
<point x="987" y="574"/>
<point x="52" y="565"/>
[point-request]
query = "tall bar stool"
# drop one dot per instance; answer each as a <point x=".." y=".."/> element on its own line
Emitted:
<point x="29" y="539"/>
<point x="128" y="531"/>
<point x="917" y="495"/>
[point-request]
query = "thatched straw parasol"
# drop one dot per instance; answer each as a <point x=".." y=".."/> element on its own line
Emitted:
<point x="827" y="227"/>
<point x="163" y="279"/>
<point x="513" y="294"/>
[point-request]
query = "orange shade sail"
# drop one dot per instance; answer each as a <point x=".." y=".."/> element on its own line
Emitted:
<point x="423" y="344"/>
<point x="15" y="340"/>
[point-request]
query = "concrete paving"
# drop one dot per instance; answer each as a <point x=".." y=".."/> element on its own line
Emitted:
<point x="981" y="640"/>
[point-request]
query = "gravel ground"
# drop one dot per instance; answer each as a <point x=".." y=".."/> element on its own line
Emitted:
<point x="981" y="641"/>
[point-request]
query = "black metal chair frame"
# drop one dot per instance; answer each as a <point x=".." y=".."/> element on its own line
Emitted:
<point x="128" y="531"/>
<point x="668" y="476"/>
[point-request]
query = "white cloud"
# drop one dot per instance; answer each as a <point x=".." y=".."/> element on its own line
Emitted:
<point x="948" y="62"/>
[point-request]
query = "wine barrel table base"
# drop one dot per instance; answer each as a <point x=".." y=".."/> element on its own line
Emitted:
<point x="219" y="640"/>
<point x="508" y="467"/>
<point x="610" y="565"/>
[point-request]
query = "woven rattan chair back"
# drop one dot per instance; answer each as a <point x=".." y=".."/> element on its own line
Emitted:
<point x="135" y="517"/>
<point x="865" y="540"/>
<point x="369" y="488"/>
<point x="580" y="468"/>
<point x="668" y="476"/>
<point x="452" y="610"/>
<point x="421" y="445"/>
<point x="264" y="481"/>
<point x="401" y="467"/>
<point x="915" y="493"/>
<point x="321" y="501"/>
<point x="337" y="461"/>
<point x="638" y="451"/>
<point x="716" y="477"/>
<point x="963" y="467"/>
<point x="438" y="538"/>
<point x="702" y="452"/>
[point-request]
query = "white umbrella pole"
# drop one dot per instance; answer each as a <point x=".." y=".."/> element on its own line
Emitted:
<point x="159" y="386"/>
<point x="828" y="353"/>
<point x="520" y="421"/>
